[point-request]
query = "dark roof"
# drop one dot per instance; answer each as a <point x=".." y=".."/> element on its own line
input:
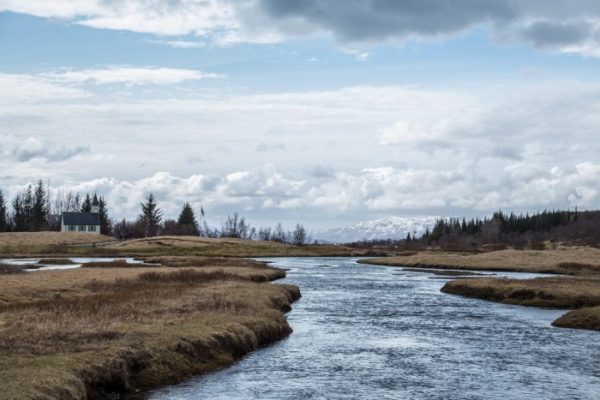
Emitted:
<point x="80" y="218"/>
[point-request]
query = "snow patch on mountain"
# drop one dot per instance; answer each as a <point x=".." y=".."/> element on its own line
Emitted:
<point x="382" y="228"/>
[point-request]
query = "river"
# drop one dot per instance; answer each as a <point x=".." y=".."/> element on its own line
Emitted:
<point x="371" y="332"/>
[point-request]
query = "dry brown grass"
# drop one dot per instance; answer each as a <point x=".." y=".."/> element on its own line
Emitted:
<point x="118" y="263"/>
<point x="200" y="246"/>
<point x="55" y="261"/>
<point x="566" y="260"/>
<point x="84" y="333"/>
<point x="49" y="238"/>
<point x="572" y="292"/>
<point x="52" y="244"/>
<point x="11" y="269"/>
<point x="585" y="318"/>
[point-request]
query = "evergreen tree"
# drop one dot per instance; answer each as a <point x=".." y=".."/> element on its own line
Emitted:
<point x="187" y="220"/>
<point x="86" y="206"/>
<point x="19" y="219"/>
<point x="28" y="208"/>
<point x="76" y="206"/>
<point x="105" y="222"/>
<point x="39" y="209"/>
<point x="3" y="214"/>
<point x="151" y="216"/>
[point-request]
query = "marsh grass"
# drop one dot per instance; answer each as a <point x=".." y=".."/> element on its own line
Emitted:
<point x="11" y="269"/>
<point x="563" y="260"/>
<point x="94" y="332"/>
<point x="119" y="263"/>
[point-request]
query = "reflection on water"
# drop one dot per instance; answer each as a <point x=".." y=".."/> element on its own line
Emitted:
<point x="366" y="332"/>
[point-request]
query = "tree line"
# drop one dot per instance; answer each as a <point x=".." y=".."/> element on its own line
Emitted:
<point x="150" y="223"/>
<point x="502" y="230"/>
<point x="511" y="229"/>
<point x="33" y="210"/>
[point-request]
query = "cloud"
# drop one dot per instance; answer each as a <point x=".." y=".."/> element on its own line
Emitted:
<point x="264" y="146"/>
<point x="129" y="76"/>
<point x="355" y="151"/>
<point x="181" y="44"/>
<point x="368" y="192"/>
<point x="19" y="88"/>
<point x="572" y="26"/>
<point x="31" y="148"/>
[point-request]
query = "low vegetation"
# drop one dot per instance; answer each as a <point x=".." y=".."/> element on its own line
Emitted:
<point x="563" y="260"/>
<point x="51" y="244"/>
<point x="222" y="247"/>
<point x="56" y="261"/>
<point x="97" y="332"/>
<point x="559" y="292"/>
<point x="585" y="318"/>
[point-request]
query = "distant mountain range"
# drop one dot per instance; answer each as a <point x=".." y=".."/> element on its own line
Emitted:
<point x="382" y="228"/>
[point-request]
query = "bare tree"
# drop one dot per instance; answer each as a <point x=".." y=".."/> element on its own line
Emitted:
<point x="236" y="227"/>
<point x="264" y="234"/>
<point x="279" y="234"/>
<point x="299" y="236"/>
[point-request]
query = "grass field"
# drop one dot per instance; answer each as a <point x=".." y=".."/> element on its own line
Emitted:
<point x="200" y="246"/>
<point x="87" y="333"/>
<point x="57" y="244"/>
<point x="17" y="244"/>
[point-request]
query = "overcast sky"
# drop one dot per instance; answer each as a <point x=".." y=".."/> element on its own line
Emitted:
<point x="322" y="111"/>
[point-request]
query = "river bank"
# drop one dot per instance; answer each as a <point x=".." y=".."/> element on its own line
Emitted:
<point x="97" y="332"/>
<point x="580" y="290"/>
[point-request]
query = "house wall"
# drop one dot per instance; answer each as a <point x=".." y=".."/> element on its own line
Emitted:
<point x="77" y="228"/>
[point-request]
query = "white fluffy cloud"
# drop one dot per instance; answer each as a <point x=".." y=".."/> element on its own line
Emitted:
<point x="378" y="191"/>
<point x="128" y="76"/>
<point x="359" y="151"/>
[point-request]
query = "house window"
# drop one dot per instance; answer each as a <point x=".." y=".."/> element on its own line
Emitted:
<point x="72" y="228"/>
<point x="92" y="228"/>
<point x="82" y="228"/>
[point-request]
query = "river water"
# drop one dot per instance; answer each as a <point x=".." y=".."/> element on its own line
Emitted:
<point x="369" y="332"/>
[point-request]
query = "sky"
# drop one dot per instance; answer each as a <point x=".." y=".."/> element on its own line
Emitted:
<point x="326" y="112"/>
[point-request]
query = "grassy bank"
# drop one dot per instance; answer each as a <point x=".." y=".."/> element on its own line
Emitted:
<point x="541" y="292"/>
<point x="200" y="246"/>
<point x="565" y="260"/>
<point x="57" y="245"/>
<point x="98" y="331"/>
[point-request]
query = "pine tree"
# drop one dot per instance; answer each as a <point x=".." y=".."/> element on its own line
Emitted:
<point x="19" y="219"/>
<point x="187" y="220"/>
<point x="39" y="211"/>
<point x="3" y="214"/>
<point x="86" y="206"/>
<point x="28" y="208"/>
<point x="151" y="216"/>
<point x="105" y="222"/>
<point x="76" y="206"/>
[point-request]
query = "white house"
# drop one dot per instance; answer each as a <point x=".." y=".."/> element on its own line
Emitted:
<point x="81" y="221"/>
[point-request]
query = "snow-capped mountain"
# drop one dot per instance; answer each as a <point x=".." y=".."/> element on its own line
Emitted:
<point x="382" y="228"/>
